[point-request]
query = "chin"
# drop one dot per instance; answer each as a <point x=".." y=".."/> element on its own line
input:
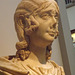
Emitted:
<point x="49" y="40"/>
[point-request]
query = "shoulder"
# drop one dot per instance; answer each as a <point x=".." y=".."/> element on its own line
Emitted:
<point x="56" y="66"/>
<point x="11" y="66"/>
<point x="53" y="63"/>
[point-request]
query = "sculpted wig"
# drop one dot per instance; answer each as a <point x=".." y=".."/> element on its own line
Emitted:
<point x="24" y="24"/>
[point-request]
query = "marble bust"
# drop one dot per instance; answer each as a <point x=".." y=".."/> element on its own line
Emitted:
<point x="36" y="24"/>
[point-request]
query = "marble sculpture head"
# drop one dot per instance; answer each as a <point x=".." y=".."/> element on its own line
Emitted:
<point x="37" y="21"/>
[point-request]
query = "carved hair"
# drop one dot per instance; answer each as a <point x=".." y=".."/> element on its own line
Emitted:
<point x="24" y="27"/>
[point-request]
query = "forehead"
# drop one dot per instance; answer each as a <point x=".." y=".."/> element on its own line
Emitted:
<point x="52" y="7"/>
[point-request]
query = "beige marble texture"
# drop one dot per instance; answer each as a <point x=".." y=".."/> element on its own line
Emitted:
<point x="36" y="24"/>
<point x="17" y="67"/>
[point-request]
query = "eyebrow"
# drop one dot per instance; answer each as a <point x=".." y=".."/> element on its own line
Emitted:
<point x="48" y="10"/>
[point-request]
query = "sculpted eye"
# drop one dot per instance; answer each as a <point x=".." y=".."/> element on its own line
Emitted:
<point x="45" y="16"/>
<point x="56" y="16"/>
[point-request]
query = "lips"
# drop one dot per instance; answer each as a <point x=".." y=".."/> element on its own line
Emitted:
<point x="51" y="34"/>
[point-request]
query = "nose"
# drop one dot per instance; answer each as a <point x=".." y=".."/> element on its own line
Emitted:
<point x="54" y="22"/>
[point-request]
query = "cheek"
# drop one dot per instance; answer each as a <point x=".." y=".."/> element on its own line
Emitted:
<point x="43" y="28"/>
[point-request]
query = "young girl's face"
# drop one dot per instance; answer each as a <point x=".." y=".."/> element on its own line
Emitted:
<point x="48" y="25"/>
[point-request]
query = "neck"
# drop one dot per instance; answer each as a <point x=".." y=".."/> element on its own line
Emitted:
<point x="38" y="54"/>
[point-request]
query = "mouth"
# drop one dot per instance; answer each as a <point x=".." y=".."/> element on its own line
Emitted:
<point x="51" y="34"/>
